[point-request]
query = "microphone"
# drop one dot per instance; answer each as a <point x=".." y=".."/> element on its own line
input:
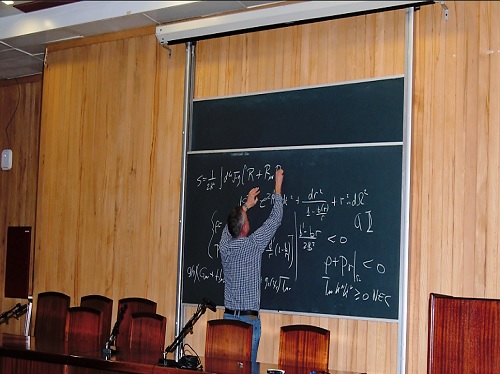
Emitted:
<point x="12" y="312"/>
<point x="209" y="304"/>
<point x="107" y="351"/>
<point x="16" y="311"/>
<point x="121" y="314"/>
<point x="20" y="310"/>
<point x="14" y="308"/>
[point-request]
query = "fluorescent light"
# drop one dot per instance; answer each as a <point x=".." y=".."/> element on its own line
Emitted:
<point x="8" y="2"/>
<point x="265" y="17"/>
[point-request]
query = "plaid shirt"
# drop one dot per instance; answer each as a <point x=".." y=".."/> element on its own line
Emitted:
<point x="242" y="258"/>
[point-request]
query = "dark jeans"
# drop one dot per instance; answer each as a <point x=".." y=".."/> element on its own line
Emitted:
<point x="255" y="322"/>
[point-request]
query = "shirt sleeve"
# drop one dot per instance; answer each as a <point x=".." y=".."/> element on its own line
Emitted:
<point x="263" y="235"/>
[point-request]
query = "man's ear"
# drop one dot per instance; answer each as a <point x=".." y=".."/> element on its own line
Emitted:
<point x="246" y="228"/>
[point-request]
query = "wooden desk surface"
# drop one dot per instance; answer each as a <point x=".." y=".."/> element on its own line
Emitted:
<point x="52" y="356"/>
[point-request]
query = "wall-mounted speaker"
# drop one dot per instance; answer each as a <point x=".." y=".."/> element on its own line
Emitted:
<point x="17" y="264"/>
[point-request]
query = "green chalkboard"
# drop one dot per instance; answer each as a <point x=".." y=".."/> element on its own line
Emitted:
<point x="357" y="112"/>
<point x="337" y="251"/>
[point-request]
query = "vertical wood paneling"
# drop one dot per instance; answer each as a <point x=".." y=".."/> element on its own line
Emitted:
<point x="471" y="149"/>
<point x="19" y="130"/>
<point x="489" y="41"/>
<point x="109" y="187"/>
<point x="493" y="257"/>
<point x="455" y="177"/>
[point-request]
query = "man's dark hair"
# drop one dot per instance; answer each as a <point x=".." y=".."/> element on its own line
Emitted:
<point x="235" y="221"/>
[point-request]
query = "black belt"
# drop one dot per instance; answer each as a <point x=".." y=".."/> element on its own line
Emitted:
<point x="241" y="312"/>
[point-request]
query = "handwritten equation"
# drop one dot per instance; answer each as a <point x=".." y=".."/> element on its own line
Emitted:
<point x="333" y="241"/>
<point x="240" y="177"/>
<point x="342" y="274"/>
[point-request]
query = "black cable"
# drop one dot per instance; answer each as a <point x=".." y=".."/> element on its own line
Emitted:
<point x="153" y="368"/>
<point x="191" y="362"/>
<point x="13" y="114"/>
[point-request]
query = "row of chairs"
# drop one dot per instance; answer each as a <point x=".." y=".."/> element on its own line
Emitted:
<point x="89" y="324"/>
<point x="143" y="329"/>
<point x="300" y="345"/>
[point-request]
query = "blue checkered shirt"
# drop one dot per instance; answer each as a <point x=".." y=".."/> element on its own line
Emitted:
<point x="242" y="258"/>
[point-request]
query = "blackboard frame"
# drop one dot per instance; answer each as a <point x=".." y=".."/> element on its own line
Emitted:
<point x="392" y="135"/>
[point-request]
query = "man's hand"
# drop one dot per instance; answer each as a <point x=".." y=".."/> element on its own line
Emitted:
<point x="252" y="197"/>
<point x="278" y="181"/>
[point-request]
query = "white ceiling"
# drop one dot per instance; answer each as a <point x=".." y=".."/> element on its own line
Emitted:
<point x="24" y="36"/>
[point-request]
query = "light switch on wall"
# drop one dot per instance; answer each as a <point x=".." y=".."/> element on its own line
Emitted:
<point x="7" y="159"/>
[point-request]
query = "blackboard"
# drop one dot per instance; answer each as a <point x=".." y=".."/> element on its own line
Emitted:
<point x="357" y="112"/>
<point x="337" y="251"/>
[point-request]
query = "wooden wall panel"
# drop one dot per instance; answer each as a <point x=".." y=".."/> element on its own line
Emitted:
<point x="20" y="102"/>
<point x="109" y="186"/>
<point x="319" y="53"/>
<point x="455" y="207"/>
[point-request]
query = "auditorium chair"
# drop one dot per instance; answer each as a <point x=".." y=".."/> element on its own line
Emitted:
<point x="134" y="305"/>
<point x="229" y="339"/>
<point x="83" y="329"/>
<point x="51" y="313"/>
<point x="147" y="332"/>
<point x="304" y="346"/>
<point x="105" y="306"/>
<point x="463" y="335"/>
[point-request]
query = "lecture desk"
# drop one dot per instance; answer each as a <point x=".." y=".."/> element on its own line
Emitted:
<point x="20" y="354"/>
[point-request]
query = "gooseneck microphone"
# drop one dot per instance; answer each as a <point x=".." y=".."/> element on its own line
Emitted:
<point x="16" y="311"/>
<point x="209" y="304"/>
<point x="20" y="310"/>
<point x="121" y="314"/>
<point x="108" y="350"/>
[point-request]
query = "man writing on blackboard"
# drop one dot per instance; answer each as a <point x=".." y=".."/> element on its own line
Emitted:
<point x="241" y="256"/>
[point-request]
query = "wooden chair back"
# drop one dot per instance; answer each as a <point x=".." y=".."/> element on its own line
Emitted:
<point x="134" y="305"/>
<point x="229" y="339"/>
<point x="304" y="346"/>
<point x="147" y="332"/>
<point x="51" y="313"/>
<point x="105" y="306"/>
<point x="83" y="329"/>
<point x="464" y="335"/>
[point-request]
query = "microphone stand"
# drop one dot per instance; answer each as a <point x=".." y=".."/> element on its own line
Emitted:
<point x="17" y="311"/>
<point x="110" y="346"/>
<point x="188" y="328"/>
<point x="20" y="310"/>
